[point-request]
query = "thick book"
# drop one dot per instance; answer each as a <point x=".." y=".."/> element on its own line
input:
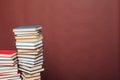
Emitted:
<point x="27" y="28"/>
<point x="7" y="53"/>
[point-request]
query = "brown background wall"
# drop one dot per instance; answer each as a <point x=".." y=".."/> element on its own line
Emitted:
<point x="80" y="36"/>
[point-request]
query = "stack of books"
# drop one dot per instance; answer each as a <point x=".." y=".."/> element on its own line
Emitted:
<point x="29" y="43"/>
<point x="8" y="65"/>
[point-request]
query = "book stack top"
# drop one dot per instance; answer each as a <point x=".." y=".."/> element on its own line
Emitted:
<point x="29" y="44"/>
<point x="8" y="65"/>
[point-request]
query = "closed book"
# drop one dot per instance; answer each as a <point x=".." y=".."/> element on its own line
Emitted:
<point x="29" y="40"/>
<point x="29" y="43"/>
<point x="31" y="72"/>
<point x="9" y="64"/>
<point x="32" y="78"/>
<point x="27" y="37"/>
<point x="30" y="59"/>
<point x="10" y="70"/>
<point x="7" y="53"/>
<point x="29" y="55"/>
<point x="27" y="28"/>
<point x="28" y="34"/>
<point x="29" y="47"/>
<point x="31" y="75"/>
<point x="30" y="65"/>
<point x="3" y="75"/>
<point x="30" y="68"/>
<point x="5" y="68"/>
<point x="31" y="62"/>
<point x="8" y="58"/>
<point x="13" y="72"/>
<point x="29" y="51"/>
<point x="8" y="61"/>
<point x="11" y="78"/>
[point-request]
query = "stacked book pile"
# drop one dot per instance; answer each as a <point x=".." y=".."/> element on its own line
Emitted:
<point x="30" y="51"/>
<point x="8" y="65"/>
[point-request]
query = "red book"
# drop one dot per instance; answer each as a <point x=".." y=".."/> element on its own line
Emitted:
<point x="7" y="53"/>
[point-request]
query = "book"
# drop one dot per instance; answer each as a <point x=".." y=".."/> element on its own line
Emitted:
<point x="27" y="37"/>
<point x="31" y="68"/>
<point x="8" y="67"/>
<point x="30" y="59"/>
<point x="30" y="65"/>
<point x="29" y="40"/>
<point x="29" y="43"/>
<point x="8" y="58"/>
<point x="30" y="51"/>
<point x="8" y="61"/>
<point x="30" y="55"/>
<point x="27" y="28"/>
<point x="31" y="72"/>
<point x="7" y="53"/>
<point x="6" y="75"/>
<point x="29" y="47"/>
<point x="9" y="64"/>
<point x="10" y="70"/>
<point x="28" y="34"/>
<point x="31" y="75"/>
<point x="32" y="78"/>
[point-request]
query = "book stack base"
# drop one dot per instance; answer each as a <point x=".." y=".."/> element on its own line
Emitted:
<point x="30" y="51"/>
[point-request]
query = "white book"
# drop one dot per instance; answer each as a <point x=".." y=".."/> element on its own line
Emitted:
<point x="6" y="75"/>
<point x="28" y="59"/>
<point x="30" y="62"/>
<point x="12" y="78"/>
<point x="7" y="58"/>
<point x="29" y="43"/>
<point x="27" y="28"/>
<point x="8" y="61"/>
<point x="31" y="68"/>
<point x="8" y="67"/>
<point x="29" y="65"/>
<point x="11" y="70"/>
<point x="31" y="72"/>
<point x="29" y="56"/>
<point x="29" y="51"/>
<point x="29" y="47"/>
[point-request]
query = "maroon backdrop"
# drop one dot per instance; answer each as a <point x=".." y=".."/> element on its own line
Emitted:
<point x="80" y="36"/>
